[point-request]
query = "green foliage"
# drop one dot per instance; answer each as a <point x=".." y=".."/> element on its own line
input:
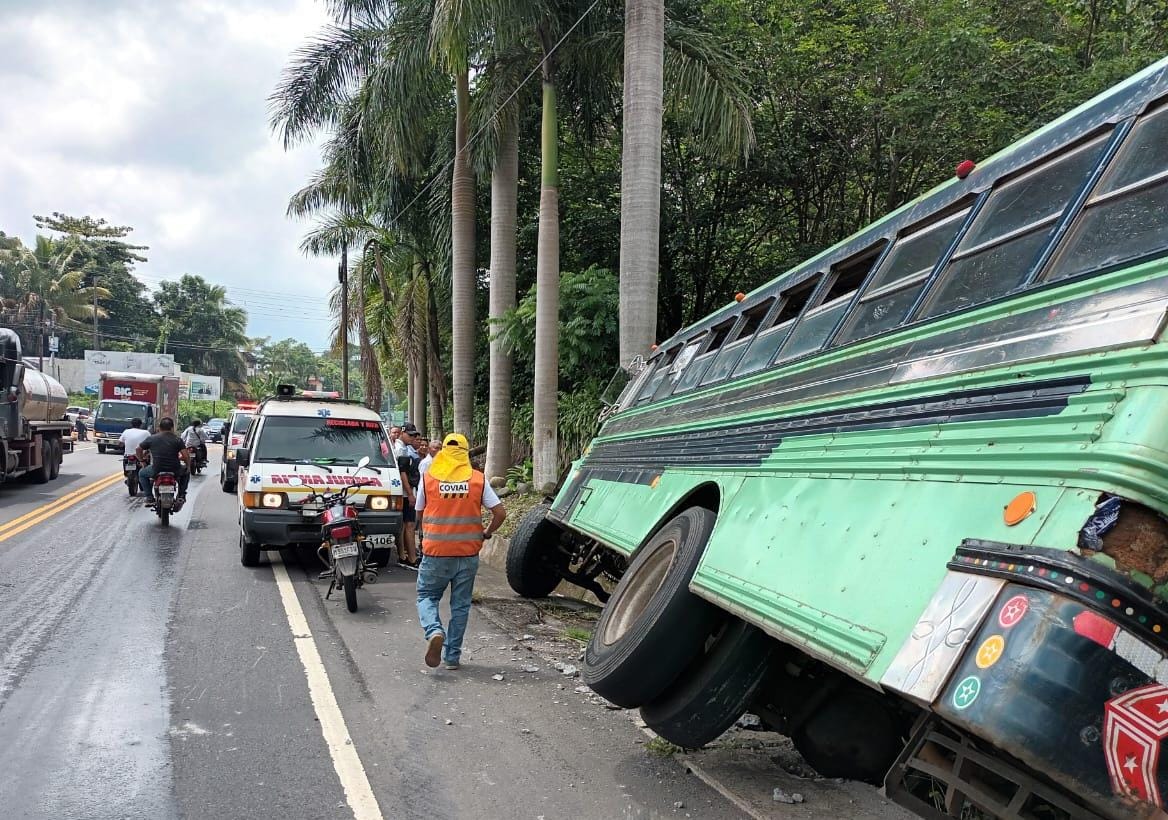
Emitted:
<point x="202" y="329"/>
<point x="190" y="409"/>
<point x="519" y="474"/>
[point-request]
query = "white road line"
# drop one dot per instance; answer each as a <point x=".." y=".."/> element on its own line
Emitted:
<point x="332" y="723"/>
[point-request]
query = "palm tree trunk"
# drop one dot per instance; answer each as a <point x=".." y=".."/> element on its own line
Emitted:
<point x="421" y="382"/>
<point x="545" y="452"/>
<point x="462" y="271"/>
<point x="411" y="391"/>
<point x="370" y="370"/>
<point x="641" y="175"/>
<point x="504" y="195"/>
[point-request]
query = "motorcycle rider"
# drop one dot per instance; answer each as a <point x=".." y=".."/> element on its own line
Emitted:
<point x="133" y="436"/>
<point x="168" y="454"/>
<point x="194" y="436"/>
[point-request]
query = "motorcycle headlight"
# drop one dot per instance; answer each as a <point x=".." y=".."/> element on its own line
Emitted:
<point x="377" y="502"/>
<point x="272" y="501"/>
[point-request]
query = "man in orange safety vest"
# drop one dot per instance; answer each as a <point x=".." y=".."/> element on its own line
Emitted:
<point x="452" y="494"/>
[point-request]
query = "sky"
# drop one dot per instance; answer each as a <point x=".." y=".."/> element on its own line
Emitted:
<point x="153" y="114"/>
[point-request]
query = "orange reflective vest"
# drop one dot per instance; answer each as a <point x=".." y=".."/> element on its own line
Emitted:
<point x="453" y="517"/>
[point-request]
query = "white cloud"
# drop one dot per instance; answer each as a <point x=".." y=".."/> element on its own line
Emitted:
<point x="154" y="114"/>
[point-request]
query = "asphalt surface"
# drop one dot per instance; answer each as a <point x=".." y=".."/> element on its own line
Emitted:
<point x="144" y="673"/>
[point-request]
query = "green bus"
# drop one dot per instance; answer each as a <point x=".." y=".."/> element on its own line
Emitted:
<point x="907" y="502"/>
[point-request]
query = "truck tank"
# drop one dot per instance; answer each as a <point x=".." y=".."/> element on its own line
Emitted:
<point x="42" y="397"/>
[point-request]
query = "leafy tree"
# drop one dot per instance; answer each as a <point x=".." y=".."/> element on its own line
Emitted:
<point x="203" y="330"/>
<point x="287" y="362"/>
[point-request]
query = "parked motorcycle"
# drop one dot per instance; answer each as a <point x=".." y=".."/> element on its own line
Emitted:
<point x="130" y="468"/>
<point x="344" y="548"/>
<point x="166" y="501"/>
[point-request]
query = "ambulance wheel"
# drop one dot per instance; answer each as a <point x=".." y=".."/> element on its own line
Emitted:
<point x="249" y="552"/>
<point x="653" y="627"/>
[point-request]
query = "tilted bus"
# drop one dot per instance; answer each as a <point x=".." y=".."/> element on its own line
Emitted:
<point x="907" y="501"/>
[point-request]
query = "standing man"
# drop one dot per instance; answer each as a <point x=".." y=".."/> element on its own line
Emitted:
<point x="428" y="456"/>
<point x="167" y="455"/>
<point x="456" y="494"/>
<point x="407" y="463"/>
<point x="395" y="440"/>
<point x="194" y="436"/>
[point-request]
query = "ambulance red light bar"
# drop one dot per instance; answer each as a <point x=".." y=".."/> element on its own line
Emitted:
<point x="320" y="394"/>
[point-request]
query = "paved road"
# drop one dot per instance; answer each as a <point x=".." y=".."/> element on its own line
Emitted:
<point x="145" y="674"/>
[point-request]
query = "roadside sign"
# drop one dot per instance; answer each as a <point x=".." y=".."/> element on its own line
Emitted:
<point x="54" y="344"/>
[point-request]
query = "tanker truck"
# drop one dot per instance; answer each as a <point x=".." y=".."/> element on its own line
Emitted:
<point x="34" y="432"/>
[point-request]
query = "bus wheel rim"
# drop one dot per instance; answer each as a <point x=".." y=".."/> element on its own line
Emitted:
<point x="628" y="607"/>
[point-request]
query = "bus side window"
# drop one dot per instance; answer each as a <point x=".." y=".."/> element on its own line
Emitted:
<point x="659" y="367"/>
<point x="673" y="372"/>
<point x="1011" y="230"/>
<point x="694" y="372"/>
<point x="895" y="287"/>
<point x="723" y="366"/>
<point x="820" y="321"/>
<point x="1124" y="220"/>
<point x="791" y="304"/>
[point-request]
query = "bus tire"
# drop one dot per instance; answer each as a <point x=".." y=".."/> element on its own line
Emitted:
<point x="534" y="567"/>
<point x="715" y="690"/>
<point x="854" y="736"/>
<point x="653" y="627"/>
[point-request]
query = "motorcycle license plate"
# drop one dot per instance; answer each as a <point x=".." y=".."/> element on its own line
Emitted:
<point x="345" y="551"/>
<point x="381" y="540"/>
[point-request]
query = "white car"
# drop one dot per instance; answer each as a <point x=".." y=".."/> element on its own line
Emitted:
<point x="300" y="442"/>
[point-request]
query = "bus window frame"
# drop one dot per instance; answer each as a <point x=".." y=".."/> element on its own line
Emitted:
<point x="1043" y="163"/>
<point x="678" y="365"/>
<point x="715" y="342"/>
<point x="741" y="342"/>
<point x="876" y="251"/>
<point x="958" y="212"/>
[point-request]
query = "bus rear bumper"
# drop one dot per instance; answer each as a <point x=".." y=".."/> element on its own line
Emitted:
<point x="1051" y="686"/>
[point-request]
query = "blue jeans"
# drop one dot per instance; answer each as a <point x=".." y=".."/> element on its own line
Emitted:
<point x="146" y="480"/>
<point x="434" y="575"/>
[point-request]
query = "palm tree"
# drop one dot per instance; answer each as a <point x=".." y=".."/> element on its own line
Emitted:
<point x="504" y="195"/>
<point x="641" y="175"/>
<point x="705" y="81"/>
<point x="47" y="283"/>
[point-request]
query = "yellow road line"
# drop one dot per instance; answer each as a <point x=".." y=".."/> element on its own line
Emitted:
<point x="19" y="525"/>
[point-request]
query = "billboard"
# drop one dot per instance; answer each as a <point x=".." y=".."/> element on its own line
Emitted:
<point x="158" y="364"/>
<point x="199" y="387"/>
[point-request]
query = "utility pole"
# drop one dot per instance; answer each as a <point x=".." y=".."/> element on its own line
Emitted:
<point x="41" y="346"/>
<point x="95" y="335"/>
<point x="343" y="276"/>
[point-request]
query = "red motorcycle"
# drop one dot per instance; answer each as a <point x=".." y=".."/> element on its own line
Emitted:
<point x="344" y="548"/>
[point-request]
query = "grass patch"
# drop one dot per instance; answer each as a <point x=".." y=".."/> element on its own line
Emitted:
<point x="660" y="747"/>
<point x="578" y="634"/>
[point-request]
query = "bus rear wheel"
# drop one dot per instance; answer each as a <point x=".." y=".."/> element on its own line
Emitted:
<point x="715" y="690"/>
<point x="534" y="566"/>
<point x="653" y="627"/>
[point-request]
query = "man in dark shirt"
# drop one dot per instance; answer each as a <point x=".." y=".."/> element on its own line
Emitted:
<point x="167" y="455"/>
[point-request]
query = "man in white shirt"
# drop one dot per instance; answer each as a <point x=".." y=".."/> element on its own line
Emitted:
<point x="193" y="436"/>
<point x="133" y="435"/>
<point x="432" y="451"/>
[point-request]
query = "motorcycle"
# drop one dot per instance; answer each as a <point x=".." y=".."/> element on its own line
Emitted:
<point x="198" y="461"/>
<point x="166" y="501"/>
<point x="130" y="468"/>
<point x="344" y="548"/>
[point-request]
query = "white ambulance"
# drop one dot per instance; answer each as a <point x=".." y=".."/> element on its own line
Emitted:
<point x="318" y="440"/>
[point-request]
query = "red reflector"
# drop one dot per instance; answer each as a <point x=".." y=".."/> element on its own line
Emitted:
<point x="341" y="534"/>
<point x="1096" y="628"/>
<point x="965" y="168"/>
<point x="165" y="480"/>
